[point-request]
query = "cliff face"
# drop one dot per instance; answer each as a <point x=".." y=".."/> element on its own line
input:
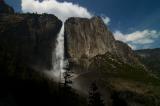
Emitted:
<point x="30" y="37"/>
<point x="87" y="38"/>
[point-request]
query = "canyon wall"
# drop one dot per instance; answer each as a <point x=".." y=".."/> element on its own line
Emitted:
<point x="30" y="37"/>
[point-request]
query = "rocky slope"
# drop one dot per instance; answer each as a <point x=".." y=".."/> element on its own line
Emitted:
<point x="151" y="58"/>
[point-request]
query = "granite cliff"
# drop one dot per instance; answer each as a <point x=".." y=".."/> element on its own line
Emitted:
<point x="87" y="38"/>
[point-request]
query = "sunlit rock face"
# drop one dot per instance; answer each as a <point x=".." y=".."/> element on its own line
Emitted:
<point x="87" y="38"/>
<point x="30" y="37"/>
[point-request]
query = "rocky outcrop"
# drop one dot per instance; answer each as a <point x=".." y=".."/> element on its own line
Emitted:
<point x="126" y="53"/>
<point x="4" y="8"/>
<point x="30" y="37"/>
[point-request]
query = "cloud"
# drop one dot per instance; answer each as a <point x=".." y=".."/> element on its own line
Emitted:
<point x="106" y="20"/>
<point x="63" y="10"/>
<point x="138" y="38"/>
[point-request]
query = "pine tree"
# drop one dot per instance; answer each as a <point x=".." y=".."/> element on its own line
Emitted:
<point x="67" y="77"/>
<point x="67" y="94"/>
<point x="94" y="96"/>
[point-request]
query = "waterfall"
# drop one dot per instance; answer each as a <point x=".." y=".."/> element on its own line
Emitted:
<point x="58" y="62"/>
<point x="58" y="59"/>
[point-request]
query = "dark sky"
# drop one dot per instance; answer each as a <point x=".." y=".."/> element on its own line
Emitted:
<point x="126" y="15"/>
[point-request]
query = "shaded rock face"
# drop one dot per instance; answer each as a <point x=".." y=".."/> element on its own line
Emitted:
<point x="4" y="8"/>
<point x="87" y="38"/>
<point x="30" y="37"/>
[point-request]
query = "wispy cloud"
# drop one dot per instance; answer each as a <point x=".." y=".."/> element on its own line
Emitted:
<point x="138" y="38"/>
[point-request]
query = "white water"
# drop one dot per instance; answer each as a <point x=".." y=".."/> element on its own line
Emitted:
<point x="58" y="64"/>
